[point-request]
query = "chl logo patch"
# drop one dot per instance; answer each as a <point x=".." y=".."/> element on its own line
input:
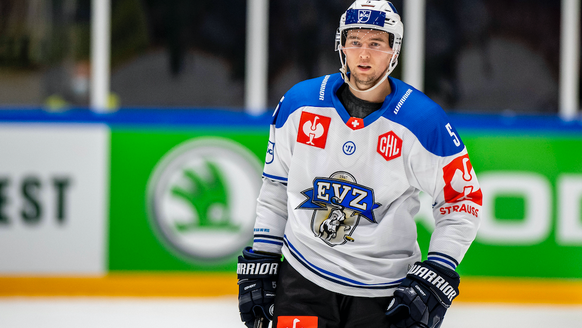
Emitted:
<point x="389" y="146"/>
<point x="297" y="322"/>
<point x="460" y="181"/>
<point x="313" y="129"/>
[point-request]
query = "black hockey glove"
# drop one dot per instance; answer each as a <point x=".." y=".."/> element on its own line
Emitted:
<point x="424" y="296"/>
<point x="257" y="281"/>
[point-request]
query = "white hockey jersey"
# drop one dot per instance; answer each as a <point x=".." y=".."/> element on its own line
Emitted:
<point x="340" y="193"/>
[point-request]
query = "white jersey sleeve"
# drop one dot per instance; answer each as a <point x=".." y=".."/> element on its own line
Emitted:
<point x="272" y="201"/>
<point x="456" y="196"/>
<point x="271" y="217"/>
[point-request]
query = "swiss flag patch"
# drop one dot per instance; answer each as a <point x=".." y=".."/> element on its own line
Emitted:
<point x="460" y="182"/>
<point x="355" y="123"/>
<point x="313" y="129"/>
<point x="297" y="322"/>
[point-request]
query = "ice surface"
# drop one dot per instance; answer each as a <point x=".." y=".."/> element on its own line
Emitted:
<point x="17" y="312"/>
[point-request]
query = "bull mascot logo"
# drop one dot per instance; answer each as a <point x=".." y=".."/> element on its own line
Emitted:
<point x="338" y="203"/>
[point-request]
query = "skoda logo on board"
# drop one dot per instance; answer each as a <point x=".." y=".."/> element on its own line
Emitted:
<point x="201" y="198"/>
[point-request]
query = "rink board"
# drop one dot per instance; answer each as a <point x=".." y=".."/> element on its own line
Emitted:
<point x="98" y="204"/>
<point x="487" y="290"/>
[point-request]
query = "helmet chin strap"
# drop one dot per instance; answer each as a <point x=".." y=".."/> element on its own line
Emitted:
<point x="344" y="72"/>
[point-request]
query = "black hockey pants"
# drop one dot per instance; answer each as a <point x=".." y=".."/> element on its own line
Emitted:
<point x="300" y="303"/>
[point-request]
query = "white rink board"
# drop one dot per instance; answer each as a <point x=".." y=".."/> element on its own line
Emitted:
<point x="223" y="313"/>
<point x="53" y="198"/>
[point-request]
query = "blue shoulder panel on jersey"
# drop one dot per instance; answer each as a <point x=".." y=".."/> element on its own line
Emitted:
<point x="314" y="92"/>
<point x="424" y="118"/>
<point x="407" y="106"/>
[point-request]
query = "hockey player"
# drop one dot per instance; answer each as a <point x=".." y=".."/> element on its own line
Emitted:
<point x="348" y="155"/>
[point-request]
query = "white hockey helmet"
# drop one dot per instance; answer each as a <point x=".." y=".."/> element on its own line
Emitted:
<point x="376" y="15"/>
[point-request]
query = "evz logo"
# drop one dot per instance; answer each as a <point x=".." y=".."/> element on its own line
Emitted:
<point x="313" y="129"/>
<point x="364" y="16"/>
<point x="338" y="203"/>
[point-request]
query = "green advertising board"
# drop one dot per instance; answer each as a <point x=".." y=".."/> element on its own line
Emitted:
<point x="168" y="199"/>
<point x="531" y="180"/>
<point x="164" y="180"/>
<point x="532" y="212"/>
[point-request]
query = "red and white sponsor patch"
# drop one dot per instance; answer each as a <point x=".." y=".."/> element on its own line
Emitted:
<point x="297" y="322"/>
<point x="313" y="129"/>
<point x="461" y="182"/>
<point x="389" y="146"/>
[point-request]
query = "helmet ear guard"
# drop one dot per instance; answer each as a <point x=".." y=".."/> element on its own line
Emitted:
<point x="378" y="15"/>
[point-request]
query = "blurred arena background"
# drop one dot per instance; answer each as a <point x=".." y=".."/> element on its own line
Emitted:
<point x="114" y="114"/>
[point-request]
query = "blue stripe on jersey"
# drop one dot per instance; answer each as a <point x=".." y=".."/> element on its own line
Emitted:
<point x="438" y="259"/>
<point x="268" y="239"/>
<point x="274" y="177"/>
<point x="444" y="256"/>
<point x="269" y="236"/>
<point x="330" y="275"/>
<point x="265" y="241"/>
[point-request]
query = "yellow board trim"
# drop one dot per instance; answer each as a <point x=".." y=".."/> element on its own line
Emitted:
<point x="521" y="290"/>
<point x="489" y="290"/>
<point x="122" y="284"/>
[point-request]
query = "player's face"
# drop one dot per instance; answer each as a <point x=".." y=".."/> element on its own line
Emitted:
<point x="368" y="54"/>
